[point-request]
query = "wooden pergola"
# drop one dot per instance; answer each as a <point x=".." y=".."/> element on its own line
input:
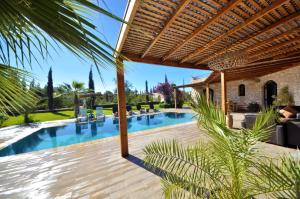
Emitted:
<point x="191" y="33"/>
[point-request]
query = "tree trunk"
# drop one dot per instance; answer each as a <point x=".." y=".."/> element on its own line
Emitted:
<point x="76" y="105"/>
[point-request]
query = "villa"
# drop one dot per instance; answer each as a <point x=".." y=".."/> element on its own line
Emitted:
<point x="260" y="89"/>
<point x="260" y="43"/>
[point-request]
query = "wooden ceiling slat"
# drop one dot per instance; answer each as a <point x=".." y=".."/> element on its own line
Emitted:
<point x="181" y="7"/>
<point x="200" y="10"/>
<point x="209" y="7"/>
<point x="266" y="29"/>
<point x="250" y="20"/>
<point x="257" y="55"/>
<point x="203" y="27"/>
<point x="257" y="34"/>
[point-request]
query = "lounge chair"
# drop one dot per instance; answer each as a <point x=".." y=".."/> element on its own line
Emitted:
<point x="152" y="108"/>
<point x="129" y="110"/>
<point x="82" y="116"/>
<point x="140" y="109"/>
<point x="99" y="113"/>
<point x="115" y="111"/>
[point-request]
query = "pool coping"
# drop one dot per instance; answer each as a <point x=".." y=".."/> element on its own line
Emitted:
<point x="26" y="130"/>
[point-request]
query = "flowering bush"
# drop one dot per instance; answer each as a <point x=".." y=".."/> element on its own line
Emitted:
<point x="166" y="90"/>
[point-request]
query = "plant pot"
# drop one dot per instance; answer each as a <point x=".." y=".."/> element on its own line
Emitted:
<point x="229" y="121"/>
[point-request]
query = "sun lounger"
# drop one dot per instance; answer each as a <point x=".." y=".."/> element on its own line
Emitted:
<point x="82" y="116"/>
<point x="99" y="113"/>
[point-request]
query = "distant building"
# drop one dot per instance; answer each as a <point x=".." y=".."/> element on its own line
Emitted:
<point x="158" y="97"/>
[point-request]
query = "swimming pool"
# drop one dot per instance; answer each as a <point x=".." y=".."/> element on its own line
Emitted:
<point x="73" y="133"/>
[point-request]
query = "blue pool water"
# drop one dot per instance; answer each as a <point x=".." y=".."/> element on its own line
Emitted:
<point x="73" y="133"/>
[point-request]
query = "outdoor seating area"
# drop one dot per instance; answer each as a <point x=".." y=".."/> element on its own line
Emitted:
<point x="236" y="137"/>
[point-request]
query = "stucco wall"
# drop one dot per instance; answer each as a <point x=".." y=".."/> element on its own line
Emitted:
<point x="255" y="87"/>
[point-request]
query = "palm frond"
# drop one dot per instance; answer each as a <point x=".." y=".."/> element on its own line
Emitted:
<point x="191" y="168"/>
<point x="280" y="179"/>
<point x="14" y="96"/>
<point x="29" y="27"/>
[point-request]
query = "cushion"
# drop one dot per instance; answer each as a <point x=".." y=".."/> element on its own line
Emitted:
<point x="288" y="112"/>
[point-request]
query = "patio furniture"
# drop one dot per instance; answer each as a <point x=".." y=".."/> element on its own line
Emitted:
<point x="152" y="108"/>
<point x="278" y="136"/>
<point x="249" y="120"/>
<point x="140" y="109"/>
<point x="115" y="111"/>
<point x="99" y="113"/>
<point x="82" y="116"/>
<point x="129" y="110"/>
<point x="292" y="132"/>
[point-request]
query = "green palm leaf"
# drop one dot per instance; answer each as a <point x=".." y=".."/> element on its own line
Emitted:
<point x="229" y="165"/>
<point x="30" y="29"/>
<point x="29" y="26"/>
<point x="14" y="97"/>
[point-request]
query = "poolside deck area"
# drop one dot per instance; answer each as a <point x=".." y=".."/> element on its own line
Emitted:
<point x="95" y="169"/>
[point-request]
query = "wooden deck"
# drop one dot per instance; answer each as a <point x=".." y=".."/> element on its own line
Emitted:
<point x="93" y="169"/>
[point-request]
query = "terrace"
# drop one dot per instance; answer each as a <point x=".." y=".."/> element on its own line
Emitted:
<point x="191" y="34"/>
<point x="95" y="169"/>
<point x="187" y="34"/>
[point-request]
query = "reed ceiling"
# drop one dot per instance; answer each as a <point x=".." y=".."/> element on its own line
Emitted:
<point x="190" y="33"/>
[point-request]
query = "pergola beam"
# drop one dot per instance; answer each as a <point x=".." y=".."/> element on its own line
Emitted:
<point x="200" y="29"/>
<point x="153" y="60"/>
<point x="250" y="20"/>
<point x="122" y="109"/>
<point x="181" y="7"/>
<point x="223" y="93"/>
<point x="207" y="93"/>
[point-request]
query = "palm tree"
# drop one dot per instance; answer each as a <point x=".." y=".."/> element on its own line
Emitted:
<point x="228" y="165"/>
<point x="29" y="28"/>
<point x="73" y="90"/>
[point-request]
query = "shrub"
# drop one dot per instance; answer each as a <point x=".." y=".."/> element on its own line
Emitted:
<point x="284" y="97"/>
<point x="27" y="118"/>
<point x="2" y="119"/>
<point x="166" y="105"/>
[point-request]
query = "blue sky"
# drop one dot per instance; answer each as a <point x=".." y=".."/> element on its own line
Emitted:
<point x="66" y="67"/>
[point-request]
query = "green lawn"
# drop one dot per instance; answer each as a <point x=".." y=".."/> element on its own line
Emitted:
<point x="50" y="116"/>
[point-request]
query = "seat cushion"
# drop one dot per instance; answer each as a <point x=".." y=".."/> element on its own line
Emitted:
<point x="288" y="112"/>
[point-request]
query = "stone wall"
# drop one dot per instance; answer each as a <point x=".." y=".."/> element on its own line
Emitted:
<point x="255" y="87"/>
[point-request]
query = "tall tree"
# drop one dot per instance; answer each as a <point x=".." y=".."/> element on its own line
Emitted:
<point x="146" y="90"/>
<point x="166" y="79"/>
<point x="50" y="90"/>
<point x="91" y="88"/>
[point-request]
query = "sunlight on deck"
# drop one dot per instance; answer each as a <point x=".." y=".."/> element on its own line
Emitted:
<point x="93" y="169"/>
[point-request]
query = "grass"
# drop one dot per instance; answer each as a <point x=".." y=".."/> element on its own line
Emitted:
<point x="50" y="116"/>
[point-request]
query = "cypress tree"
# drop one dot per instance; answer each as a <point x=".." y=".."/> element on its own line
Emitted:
<point x="91" y="81"/>
<point x="147" y="93"/>
<point x="50" y="90"/>
<point x="91" y="88"/>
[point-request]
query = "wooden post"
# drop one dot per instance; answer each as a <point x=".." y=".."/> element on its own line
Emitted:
<point x="207" y="93"/>
<point x="122" y="109"/>
<point x="175" y="98"/>
<point x="223" y="93"/>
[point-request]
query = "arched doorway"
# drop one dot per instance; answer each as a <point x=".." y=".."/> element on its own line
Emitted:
<point x="211" y="93"/>
<point x="270" y="92"/>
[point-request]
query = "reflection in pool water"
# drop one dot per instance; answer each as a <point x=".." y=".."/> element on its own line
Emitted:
<point x="76" y="133"/>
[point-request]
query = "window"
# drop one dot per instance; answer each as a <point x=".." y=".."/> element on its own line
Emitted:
<point x="242" y="90"/>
